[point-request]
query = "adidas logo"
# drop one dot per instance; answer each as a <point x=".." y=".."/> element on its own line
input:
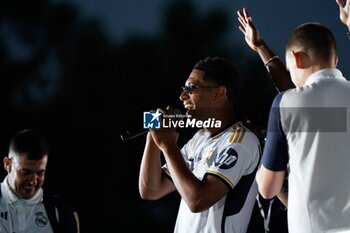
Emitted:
<point x="3" y="215"/>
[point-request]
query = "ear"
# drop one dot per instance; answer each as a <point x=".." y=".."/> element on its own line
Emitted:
<point x="335" y="61"/>
<point x="297" y="59"/>
<point x="7" y="164"/>
<point x="220" y="93"/>
<point x="301" y="59"/>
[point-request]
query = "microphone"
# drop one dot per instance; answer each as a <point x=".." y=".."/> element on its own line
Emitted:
<point x="131" y="135"/>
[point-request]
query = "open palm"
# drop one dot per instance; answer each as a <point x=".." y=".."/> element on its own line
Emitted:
<point x="344" y="11"/>
<point x="247" y="27"/>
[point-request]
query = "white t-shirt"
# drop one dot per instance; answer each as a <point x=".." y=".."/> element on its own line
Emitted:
<point x="20" y="215"/>
<point x="309" y="127"/>
<point x="232" y="156"/>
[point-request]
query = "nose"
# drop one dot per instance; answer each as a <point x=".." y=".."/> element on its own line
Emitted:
<point x="33" y="178"/>
<point x="184" y="95"/>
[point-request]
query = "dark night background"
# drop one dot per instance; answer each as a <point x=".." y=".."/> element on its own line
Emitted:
<point x="83" y="72"/>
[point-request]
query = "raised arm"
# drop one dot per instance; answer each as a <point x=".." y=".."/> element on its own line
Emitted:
<point x="344" y="12"/>
<point x="277" y="70"/>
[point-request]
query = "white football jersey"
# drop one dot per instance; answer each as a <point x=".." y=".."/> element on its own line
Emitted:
<point x="232" y="155"/>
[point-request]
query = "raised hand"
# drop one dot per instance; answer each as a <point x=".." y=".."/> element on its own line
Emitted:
<point x="250" y="32"/>
<point x="277" y="70"/>
<point x="344" y="12"/>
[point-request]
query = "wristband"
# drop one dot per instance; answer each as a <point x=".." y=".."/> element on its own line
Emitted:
<point x="271" y="59"/>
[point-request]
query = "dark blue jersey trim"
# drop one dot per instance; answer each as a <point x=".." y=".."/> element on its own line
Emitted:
<point x="275" y="155"/>
<point x="237" y="197"/>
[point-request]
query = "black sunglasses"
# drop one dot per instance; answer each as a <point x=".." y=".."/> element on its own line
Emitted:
<point x="191" y="87"/>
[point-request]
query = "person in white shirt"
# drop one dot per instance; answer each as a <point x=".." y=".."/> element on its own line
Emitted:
<point x="24" y="206"/>
<point x="309" y="129"/>
<point x="214" y="172"/>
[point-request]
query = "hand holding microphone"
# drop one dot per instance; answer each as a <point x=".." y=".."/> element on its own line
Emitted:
<point x="166" y="137"/>
<point x="170" y="113"/>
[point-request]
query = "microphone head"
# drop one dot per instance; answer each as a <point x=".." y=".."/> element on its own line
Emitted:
<point x="176" y="112"/>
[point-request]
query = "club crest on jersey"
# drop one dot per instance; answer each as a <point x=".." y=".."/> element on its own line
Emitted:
<point x="40" y="219"/>
<point x="226" y="159"/>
